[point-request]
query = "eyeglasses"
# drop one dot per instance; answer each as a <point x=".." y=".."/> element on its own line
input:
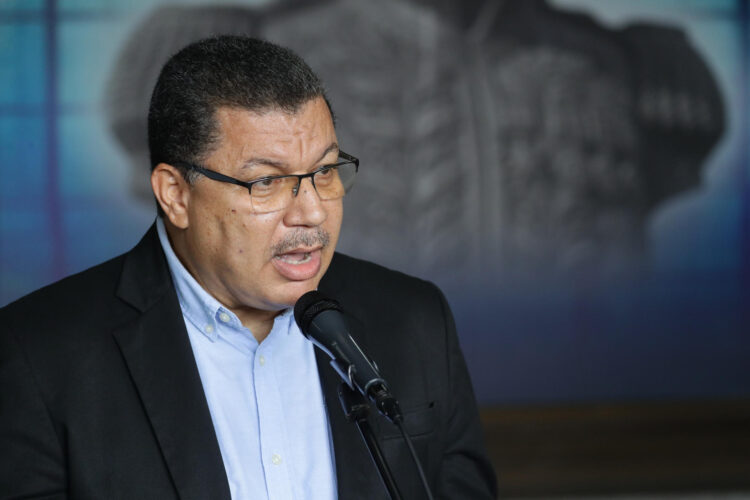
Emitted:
<point x="273" y="193"/>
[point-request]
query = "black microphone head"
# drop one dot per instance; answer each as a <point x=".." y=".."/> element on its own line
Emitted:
<point x="310" y="305"/>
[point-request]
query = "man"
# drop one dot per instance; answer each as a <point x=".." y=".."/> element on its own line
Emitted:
<point x="177" y="371"/>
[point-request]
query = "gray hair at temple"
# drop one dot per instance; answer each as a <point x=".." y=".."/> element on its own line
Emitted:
<point x="231" y="71"/>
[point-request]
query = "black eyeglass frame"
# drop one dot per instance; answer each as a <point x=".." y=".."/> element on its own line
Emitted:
<point x="212" y="174"/>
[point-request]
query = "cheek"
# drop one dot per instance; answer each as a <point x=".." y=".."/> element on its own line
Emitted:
<point x="333" y="222"/>
<point x="249" y="237"/>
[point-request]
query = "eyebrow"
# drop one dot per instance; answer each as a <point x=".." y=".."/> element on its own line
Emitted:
<point x="252" y="162"/>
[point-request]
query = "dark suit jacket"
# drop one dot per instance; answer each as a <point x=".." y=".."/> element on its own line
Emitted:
<point x="101" y="397"/>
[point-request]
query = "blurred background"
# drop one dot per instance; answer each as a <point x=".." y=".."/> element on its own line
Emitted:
<point x="573" y="173"/>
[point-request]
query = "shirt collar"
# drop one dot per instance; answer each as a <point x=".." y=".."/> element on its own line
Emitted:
<point x="198" y="306"/>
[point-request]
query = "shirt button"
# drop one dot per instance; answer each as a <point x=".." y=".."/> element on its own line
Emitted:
<point x="262" y="362"/>
<point x="276" y="459"/>
<point x="209" y="328"/>
<point x="224" y="317"/>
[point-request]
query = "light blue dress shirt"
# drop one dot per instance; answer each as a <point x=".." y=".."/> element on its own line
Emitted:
<point x="265" y="399"/>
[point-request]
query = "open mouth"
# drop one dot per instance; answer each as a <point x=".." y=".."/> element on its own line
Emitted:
<point x="300" y="264"/>
<point x="295" y="258"/>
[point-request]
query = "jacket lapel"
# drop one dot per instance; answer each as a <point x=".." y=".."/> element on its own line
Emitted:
<point x="356" y="474"/>
<point x="160" y="359"/>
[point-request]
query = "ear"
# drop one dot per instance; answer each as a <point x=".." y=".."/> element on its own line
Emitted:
<point x="172" y="192"/>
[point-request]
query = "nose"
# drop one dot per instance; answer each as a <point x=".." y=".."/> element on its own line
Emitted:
<point x="299" y="184"/>
<point x="306" y="208"/>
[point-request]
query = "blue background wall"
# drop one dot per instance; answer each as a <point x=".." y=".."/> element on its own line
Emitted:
<point x="677" y="328"/>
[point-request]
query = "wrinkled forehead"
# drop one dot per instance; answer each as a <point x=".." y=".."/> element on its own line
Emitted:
<point x="285" y="135"/>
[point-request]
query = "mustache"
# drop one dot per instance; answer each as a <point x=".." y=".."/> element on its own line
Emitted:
<point x="302" y="238"/>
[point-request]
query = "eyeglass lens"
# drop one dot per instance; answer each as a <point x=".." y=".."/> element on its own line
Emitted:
<point x="276" y="193"/>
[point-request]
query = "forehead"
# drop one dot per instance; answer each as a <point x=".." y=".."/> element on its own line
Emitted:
<point x="274" y="133"/>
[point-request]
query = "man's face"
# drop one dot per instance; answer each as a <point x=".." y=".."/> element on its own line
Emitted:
<point x="252" y="261"/>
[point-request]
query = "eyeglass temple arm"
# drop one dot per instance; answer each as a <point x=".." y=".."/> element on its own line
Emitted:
<point x="349" y="157"/>
<point x="213" y="175"/>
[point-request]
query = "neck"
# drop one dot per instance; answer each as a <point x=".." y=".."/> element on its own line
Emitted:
<point x="258" y="321"/>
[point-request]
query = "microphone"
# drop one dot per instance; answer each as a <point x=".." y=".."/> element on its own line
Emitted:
<point x="321" y="320"/>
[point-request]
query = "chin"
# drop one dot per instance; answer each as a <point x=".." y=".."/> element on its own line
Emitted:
<point x="294" y="290"/>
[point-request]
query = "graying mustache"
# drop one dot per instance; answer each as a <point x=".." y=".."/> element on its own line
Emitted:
<point x="302" y="238"/>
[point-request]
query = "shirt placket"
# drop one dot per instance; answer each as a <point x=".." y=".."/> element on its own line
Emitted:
<point x="272" y="429"/>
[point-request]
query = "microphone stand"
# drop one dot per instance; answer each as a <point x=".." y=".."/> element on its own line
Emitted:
<point x="356" y="410"/>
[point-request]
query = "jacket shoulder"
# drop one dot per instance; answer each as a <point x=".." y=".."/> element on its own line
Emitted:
<point x="86" y="294"/>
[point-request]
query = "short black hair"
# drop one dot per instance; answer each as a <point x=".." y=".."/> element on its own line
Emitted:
<point x="232" y="71"/>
